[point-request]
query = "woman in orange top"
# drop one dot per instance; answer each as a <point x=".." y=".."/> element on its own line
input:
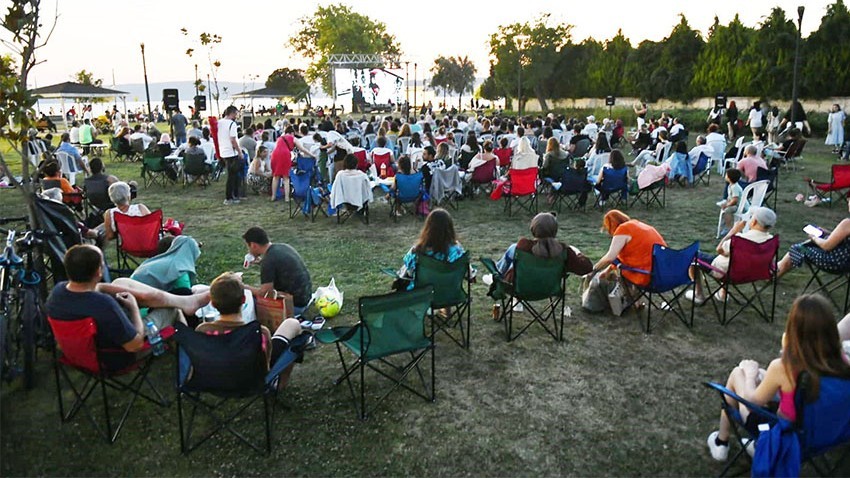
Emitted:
<point x="631" y="244"/>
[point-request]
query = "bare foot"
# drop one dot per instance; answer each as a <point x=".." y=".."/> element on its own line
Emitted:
<point x="195" y="302"/>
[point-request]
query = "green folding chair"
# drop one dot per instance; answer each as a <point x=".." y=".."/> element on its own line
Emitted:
<point x="535" y="280"/>
<point x="390" y="325"/>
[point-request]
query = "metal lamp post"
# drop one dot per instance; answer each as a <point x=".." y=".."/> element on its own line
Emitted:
<point x="519" y="40"/>
<point x="800" y="10"/>
<point x="147" y="89"/>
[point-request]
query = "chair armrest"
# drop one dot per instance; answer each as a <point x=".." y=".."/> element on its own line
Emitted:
<point x="490" y="266"/>
<point x="286" y="359"/>
<point x="631" y="269"/>
<point x="336" y="334"/>
<point x="394" y="274"/>
<point x="705" y="265"/>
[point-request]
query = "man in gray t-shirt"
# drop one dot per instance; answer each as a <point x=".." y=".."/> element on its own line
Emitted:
<point x="281" y="268"/>
<point x="179" y="122"/>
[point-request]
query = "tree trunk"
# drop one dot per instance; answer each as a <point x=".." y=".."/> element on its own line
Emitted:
<point x="541" y="99"/>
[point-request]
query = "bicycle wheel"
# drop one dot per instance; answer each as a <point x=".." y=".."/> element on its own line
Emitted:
<point x="29" y="318"/>
<point x="4" y="345"/>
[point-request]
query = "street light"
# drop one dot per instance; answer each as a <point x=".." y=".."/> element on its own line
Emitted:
<point x="147" y="90"/>
<point x="800" y="10"/>
<point x="520" y="41"/>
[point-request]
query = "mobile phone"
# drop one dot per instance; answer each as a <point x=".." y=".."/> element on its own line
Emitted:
<point x="813" y="230"/>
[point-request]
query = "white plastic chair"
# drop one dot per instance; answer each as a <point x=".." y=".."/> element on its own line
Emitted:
<point x="752" y="197"/>
<point x="733" y="162"/>
<point x="209" y="150"/>
<point x="68" y="166"/>
<point x="717" y="155"/>
<point x="403" y="144"/>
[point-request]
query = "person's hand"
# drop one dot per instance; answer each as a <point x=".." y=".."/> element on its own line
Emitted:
<point x="750" y="368"/>
<point x="127" y="300"/>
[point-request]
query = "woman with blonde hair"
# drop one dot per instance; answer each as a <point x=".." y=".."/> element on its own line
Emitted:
<point x="555" y="161"/>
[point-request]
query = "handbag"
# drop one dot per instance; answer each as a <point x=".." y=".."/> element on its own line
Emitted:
<point x="273" y="307"/>
<point x="594" y="295"/>
<point x="617" y="299"/>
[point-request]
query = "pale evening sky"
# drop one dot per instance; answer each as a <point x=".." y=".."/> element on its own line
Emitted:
<point x="103" y="36"/>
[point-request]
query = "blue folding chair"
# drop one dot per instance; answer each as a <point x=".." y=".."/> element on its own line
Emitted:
<point x="670" y="271"/>
<point x="701" y="171"/>
<point x="407" y="194"/>
<point x="303" y="180"/>
<point x="822" y="425"/>
<point x="613" y="182"/>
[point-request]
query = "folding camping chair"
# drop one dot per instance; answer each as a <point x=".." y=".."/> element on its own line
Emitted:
<point x="305" y="189"/>
<point x="452" y="282"/>
<point x="157" y="170"/>
<point x="535" y="279"/>
<point x="406" y="195"/>
<point x="390" y="325"/>
<point x="613" y="183"/>
<point x="670" y="271"/>
<point x="521" y="188"/>
<point x="351" y="187"/>
<point x="653" y="194"/>
<point x="196" y="169"/>
<point x="115" y="369"/>
<point x="137" y="149"/>
<point x="702" y="171"/>
<point x="227" y="368"/>
<point x="838" y="185"/>
<point x="822" y="425"/>
<point x="573" y="191"/>
<point x="829" y="285"/>
<point x="749" y="262"/>
<point x="137" y="238"/>
<point x="481" y="179"/>
<point x="385" y="161"/>
<point x="446" y="188"/>
<point x="120" y="150"/>
<point x="772" y="177"/>
<point x="793" y="155"/>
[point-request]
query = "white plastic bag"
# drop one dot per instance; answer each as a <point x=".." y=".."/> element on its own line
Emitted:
<point x="328" y="300"/>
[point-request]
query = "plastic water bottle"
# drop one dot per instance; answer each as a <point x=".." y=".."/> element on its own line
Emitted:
<point x="154" y="339"/>
<point x="383" y="170"/>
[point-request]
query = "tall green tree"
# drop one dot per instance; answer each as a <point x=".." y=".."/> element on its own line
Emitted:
<point x="768" y="59"/>
<point x="824" y="69"/>
<point x="572" y="78"/>
<point x="538" y="56"/>
<point x="679" y="53"/>
<point x="719" y="64"/>
<point x="337" y="29"/>
<point x="606" y="68"/>
<point x="642" y="62"/>
<point x="290" y="82"/>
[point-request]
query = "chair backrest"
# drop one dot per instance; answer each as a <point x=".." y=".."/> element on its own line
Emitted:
<point x="362" y="162"/>
<point x="615" y="179"/>
<point x="409" y="186"/>
<point x="671" y="267"/>
<point x="740" y="152"/>
<point x="403" y="143"/>
<point x="754" y="194"/>
<point x="139" y="235"/>
<point x="751" y="261"/>
<point x="370" y="141"/>
<point x="67" y="163"/>
<point x="379" y="159"/>
<point x="573" y="181"/>
<point x="824" y="422"/>
<point x="702" y="163"/>
<point x="840" y="176"/>
<point x="665" y="153"/>
<point x="395" y="322"/>
<point x="504" y="155"/>
<point x="597" y="162"/>
<point x="536" y="278"/>
<point x="195" y="164"/>
<point x="582" y="147"/>
<point x="231" y="363"/>
<point x="484" y="173"/>
<point x="97" y="193"/>
<point x="718" y="149"/>
<point x="300" y="180"/>
<point x="76" y="338"/>
<point x="137" y="145"/>
<point x="153" y="161"/>
<point x="771" y="176"/>
<point x="523" y="181"/>
<point x="209" y="150"/>
<point x="446" y="278"/>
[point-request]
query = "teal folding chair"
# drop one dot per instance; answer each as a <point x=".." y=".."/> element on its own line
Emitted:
<point x="390" y="325"/>
<point x="535" y="280"/>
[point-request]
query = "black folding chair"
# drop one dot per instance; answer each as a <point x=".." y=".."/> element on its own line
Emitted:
<point x="654" y="194"/>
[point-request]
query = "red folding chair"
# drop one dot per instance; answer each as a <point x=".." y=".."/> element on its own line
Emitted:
<point x="137" y="237"/>
<point x="383" y="160"/>
<point x="362" y="162"/>
<point x="840" y="183"/>
<point x="115" y="369"/>
<point x="521" y="189"/>
<point x="482" y="178"/>
<point x="504" y="155"/>
<point x="749" y="263"/>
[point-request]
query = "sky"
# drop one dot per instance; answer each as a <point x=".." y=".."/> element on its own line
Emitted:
<point x="104" y="36"/>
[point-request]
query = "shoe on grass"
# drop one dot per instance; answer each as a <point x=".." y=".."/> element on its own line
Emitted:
<point x="689" y="294"/>
<point x="718" y="452"/>
<point x="487" y="279"/>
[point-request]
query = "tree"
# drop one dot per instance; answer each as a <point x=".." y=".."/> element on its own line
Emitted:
<point x="538" y="56"/>
<point x="823" y="68"/>
<point x="768" y="60"/>
<point x="24" y="21"/>
<point x="208" y="41"/>
<point x="571" y="77"/>
<point x="719" y="64"/>
<point x="84" y="77"/>
<point x="606" y="68"/>
<point x="453" y="74"/>
<point x="290" y="82"/>
<point x="337" y="29"/>
<point x="679" y="53"/>
<point x="640" y="65"/>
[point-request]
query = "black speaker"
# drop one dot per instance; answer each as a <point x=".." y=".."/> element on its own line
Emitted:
<point x="247" y="120"/>
<point x="720" y="100"/>
<point x="170" y="101"/>
<point x="610" y="100"/>
<point x="200" y="103"/>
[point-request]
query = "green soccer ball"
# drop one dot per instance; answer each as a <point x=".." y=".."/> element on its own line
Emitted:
<point x="328" y="306"/>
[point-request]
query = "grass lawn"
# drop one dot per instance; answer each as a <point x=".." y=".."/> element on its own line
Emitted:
<point x="610" y="400"/>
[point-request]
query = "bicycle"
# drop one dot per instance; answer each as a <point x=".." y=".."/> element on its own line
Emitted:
<point x="22" y="319"/>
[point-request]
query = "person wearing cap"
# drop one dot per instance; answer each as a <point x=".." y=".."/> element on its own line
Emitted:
<point x="591" y="129"/>
<point x="761" y="221"/>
